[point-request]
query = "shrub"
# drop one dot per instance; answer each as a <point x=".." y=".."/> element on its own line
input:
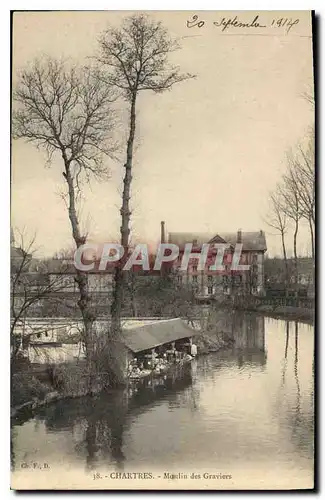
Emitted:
<point x="25" y="387"/>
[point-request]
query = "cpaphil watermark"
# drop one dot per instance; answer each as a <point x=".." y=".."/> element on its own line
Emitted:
<point x="209" y="257"/>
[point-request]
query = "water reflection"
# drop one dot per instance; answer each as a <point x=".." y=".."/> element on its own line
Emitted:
<point x="292" y="408"/>
<point x="284" y="363"/>
<point x="296" y="373"/>
<point x="247" y="331"/>
<point x="249" y="402"/>
<point x="97" y="424"/>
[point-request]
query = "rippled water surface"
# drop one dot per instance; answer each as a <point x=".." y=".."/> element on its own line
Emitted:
<point x="246" y="412"/>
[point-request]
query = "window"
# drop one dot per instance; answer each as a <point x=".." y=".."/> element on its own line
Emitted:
<point x="180" y="279"/>
<point x="210" y="290"/>
<point x="194" y="269"/>
<point x="209" y="279"/>
<point x="194" y="279"/>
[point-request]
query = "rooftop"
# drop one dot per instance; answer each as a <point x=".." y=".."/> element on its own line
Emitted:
<point x="148" y="336"/>
<point x="253" y="240"/>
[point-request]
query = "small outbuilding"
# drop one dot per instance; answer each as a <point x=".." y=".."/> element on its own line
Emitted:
<point x="164" y="340"/>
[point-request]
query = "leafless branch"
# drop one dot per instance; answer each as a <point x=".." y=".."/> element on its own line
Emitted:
<point x="66" y="110"/>
<point x="29" y="285"/>
<point x="136" y="56"/>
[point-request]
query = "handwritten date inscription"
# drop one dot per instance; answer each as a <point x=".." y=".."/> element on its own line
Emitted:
<point x="234" y="22"/>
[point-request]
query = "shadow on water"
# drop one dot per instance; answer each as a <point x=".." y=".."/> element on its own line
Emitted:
<point x="98" y="423"/>
<point x="99" y="427"/>
<point x="248" y="332"/>
<point x="285" y="360"/>
<point x="292" y="413"/>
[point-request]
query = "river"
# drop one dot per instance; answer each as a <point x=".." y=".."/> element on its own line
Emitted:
<point x="243" y="416"/>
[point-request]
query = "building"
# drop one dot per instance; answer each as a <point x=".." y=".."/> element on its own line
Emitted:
<point x="59" y="340"/>
<point x="50" y="286"/>
<point x="152" y="335"/>
<point x="49" y="340"/>
<point x="301" y="279"/>
<point x="207" y="283"/>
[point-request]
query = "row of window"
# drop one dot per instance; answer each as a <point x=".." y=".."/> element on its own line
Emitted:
<point x="226" y="289"/>
<point x="254" y="269"/>
<point x="238" y="278"/>
<point x="243" y="260"/>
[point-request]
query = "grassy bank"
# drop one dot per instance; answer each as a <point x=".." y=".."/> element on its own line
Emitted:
<point x="36" y="386"/>
<point x="212" y="341"/>
<point x="296" y="309"/>
<point x="283" y="312"/>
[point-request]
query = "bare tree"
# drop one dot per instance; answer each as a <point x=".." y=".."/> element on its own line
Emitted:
<point x="277" y="219"/>
<point x="290" y="204"/>
<point x="67" y="112"/>
<point x="64" y="254"/>
<point x="136" y="59"/>
<point x="309" y="96"/>
<point x="306" y="175"/>
<point x="303" y="178"/>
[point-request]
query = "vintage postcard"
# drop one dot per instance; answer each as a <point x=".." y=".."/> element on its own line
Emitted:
<point x="162" y="250"/>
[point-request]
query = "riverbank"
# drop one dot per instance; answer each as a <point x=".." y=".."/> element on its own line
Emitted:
<point x="36" y="386"/>
<point x="282" y="312"/>
<point x="29" y="392"/>
<point x="287" y="309"/>
<point x="229" y="398"/>
<point x="213" y="341"/>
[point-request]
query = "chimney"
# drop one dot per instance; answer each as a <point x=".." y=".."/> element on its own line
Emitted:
<point x="239" y="238"/>
<point x="162" y="232"/>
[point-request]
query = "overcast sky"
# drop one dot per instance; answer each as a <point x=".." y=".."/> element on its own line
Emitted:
<point x="208" y="151"/>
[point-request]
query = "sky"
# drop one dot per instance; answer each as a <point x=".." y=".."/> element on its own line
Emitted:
<point x="208" y="152"/>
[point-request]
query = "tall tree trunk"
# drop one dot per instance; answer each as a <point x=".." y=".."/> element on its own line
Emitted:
<point x="285" y="263"/>
<point x="133" y="297"/>
<point x="84" y="301"/>
<point x="125" y="225"/>
<point x="311" y="228"/>
<point x="312" y="237"/>
<point x="295" y="234"/>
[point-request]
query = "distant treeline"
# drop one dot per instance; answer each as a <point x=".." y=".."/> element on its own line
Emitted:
<point x="275" y="277"/>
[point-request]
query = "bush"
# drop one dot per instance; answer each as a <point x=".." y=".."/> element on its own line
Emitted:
<point x="26" y="387"/>
<point x="70" y="379"/>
